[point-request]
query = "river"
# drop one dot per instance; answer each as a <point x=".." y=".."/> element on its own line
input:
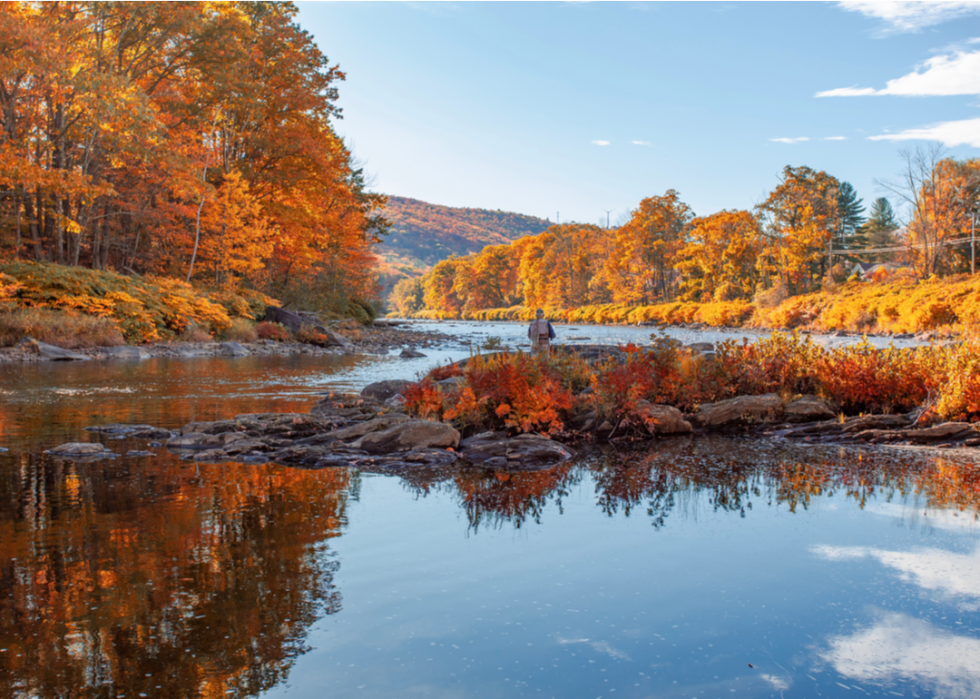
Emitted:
<point x="694" y="567"/>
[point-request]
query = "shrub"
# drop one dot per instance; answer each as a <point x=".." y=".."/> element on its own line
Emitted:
<point x="60" y="328"/>
<point x="273" y="331"/>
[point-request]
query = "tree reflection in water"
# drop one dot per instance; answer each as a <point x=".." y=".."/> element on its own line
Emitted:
<point x="721" y="474"/>
<point x="161" y="577"/>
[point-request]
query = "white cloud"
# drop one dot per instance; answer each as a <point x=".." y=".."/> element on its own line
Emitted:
<point x="601" y="143"/>
<point x="957" y="73"/>
<point x="798" y="139"/>
<point x="949" y="133"/>
<point x="835" y="138"/>
<point x="640" y="143"/>
<point x="899" y="647"/>
<point x="909" y="15"/>
<point x="955" y="576"/>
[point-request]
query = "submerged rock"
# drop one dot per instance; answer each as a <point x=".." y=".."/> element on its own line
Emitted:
<point x="80" y="449"/>
<point x="526" y="450"/>
<point x="134" y="431"/>
<point x="46" y="351"/>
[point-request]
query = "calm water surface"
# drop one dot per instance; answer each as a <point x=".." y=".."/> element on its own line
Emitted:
<point x="708" y="567"/>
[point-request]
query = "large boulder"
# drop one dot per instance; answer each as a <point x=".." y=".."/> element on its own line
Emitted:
<point x="296" y="322"/>
<point x="360" y="429"/>
<point x="526" y="450"/>
<point x="410" y="435"/>
<point x="383" y="390"/>
<point x="232" y="349"/>
<point x="744" y="410"/>
<point x="663" y="419"/>
<point x="808" y="409"/>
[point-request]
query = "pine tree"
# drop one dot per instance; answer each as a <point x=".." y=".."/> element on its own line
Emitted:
<point x="879" y="231"/>
<point x="850" y="217"/>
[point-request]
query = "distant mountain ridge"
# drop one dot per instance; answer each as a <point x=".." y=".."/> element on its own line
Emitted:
<point x="423" y="234"/>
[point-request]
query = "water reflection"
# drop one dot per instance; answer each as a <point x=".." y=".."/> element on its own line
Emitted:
<point x="167" y="579"/>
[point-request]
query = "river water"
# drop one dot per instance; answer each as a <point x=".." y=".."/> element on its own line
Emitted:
<point x="695" y="567"/>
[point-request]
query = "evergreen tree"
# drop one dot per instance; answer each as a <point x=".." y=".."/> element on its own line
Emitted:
<point x="850" y="217"/>
<point x="879" y="231"/>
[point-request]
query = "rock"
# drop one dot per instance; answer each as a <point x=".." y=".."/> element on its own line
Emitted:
<point x="383" y="390"/>
<point x="135" y="453"/>
<point x="395" y="402"/>
<point x="410" y="354"/>
<point x="874" y="422"/>
<point x="135" y="431"/>
<point x="200" y="440"/>
<point x="701" y="347"/>
<point x="499" y="451"/>
<point x="79" y="449"/>
<point x="123" y="352"/>
<point x="663" y="419"/>
<point x="192" y="352"/>
<point x="583" y="422"/>
<point x="4" y="450"/>
<point x="296" y="322"/>
<point x="210" y="455"/>
<point x="362" y="428"/>
<point x="232" y="349"/>
<point x="947" y="430"/>
<point x="409" y="436"/>
<point x="807" y="409"/>
<point x="57" y="354"/>
<point x="744" y="410"/>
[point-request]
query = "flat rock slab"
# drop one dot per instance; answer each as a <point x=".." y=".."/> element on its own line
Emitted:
<point x="410" y="354"/>
<point x="526" y="450"/>
<point x="79" y="449"/>
<point x="410" y="435"/>
<point x="135" y="431"/>
<point x="744" y="410"/>
<point x="123" y="352"/>
<point x="56" y="354"/>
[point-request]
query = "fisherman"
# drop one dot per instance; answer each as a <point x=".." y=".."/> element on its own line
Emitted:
<point x="541" y="333"/>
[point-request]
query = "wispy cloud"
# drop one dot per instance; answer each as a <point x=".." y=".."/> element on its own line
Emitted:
<point x="835" y="138"/>
<point x="640" y="143"/>
<point x="956" y="73"/>
<point x="911" y="15"/>
<point x="949" y="133"/>
<point x="601" y="143"/>
<point x="797" y="139"/>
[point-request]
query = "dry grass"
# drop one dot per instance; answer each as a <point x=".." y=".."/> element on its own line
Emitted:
<point x="62" y="329"/>
<point x="241" y="330"/>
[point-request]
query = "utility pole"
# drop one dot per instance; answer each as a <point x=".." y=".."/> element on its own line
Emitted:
<point x="973" y="242"/>
<point x="608" y="211"/>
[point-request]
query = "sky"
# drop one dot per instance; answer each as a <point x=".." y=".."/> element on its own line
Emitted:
<point x="576" y="111"/>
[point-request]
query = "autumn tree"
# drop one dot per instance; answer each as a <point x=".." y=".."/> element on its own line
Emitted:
<point x="799" y="218"/>
<point x="408" y="296"/>
<point x="721" y="260"/>
<point x="640" y="266"/>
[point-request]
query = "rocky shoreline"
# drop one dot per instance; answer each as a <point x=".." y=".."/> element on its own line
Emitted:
<point x="381" y="338"/>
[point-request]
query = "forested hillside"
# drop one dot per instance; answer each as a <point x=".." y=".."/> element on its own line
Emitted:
<point x="189" y="141"/>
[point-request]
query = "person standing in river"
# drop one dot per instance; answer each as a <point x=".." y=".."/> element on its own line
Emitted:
<point x="541" y="333"/>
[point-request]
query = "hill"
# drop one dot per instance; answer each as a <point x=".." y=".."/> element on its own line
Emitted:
<point x="423" y="234"/>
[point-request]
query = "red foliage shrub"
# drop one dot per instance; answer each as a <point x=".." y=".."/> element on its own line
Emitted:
<point x="273" y="331"/>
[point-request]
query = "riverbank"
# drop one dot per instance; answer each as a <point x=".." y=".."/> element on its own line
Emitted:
<point x="900" y="307"/>
<point x="381" y="339"/>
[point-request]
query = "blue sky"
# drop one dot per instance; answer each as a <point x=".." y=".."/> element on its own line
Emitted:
<point x="579" y="108"/>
